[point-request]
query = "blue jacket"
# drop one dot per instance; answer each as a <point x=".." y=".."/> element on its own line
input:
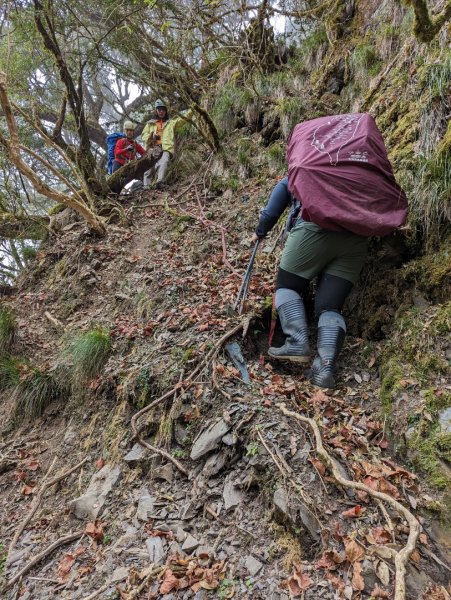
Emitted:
<point x="279" y="200"/>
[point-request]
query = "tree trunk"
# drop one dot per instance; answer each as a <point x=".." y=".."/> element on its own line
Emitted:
<point x="130" y="171"/>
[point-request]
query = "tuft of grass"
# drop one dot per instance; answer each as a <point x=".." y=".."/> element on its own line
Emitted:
<point x="364" y="63"/>
<point x="230" y="101"/>
<point x="8" y="329"/>
<point x="34" y="393"/>
<point x="276" y="153"/>
<point x="88" y="352"/>
<point x="290" y="110"/>
<point x="9" y="372"/>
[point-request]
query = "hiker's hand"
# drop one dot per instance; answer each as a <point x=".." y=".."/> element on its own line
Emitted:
<point x="155" y="137"/>
<point x="255" y="237"/>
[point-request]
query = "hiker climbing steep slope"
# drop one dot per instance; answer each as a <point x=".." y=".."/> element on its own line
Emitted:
<point x="159" y="133"/>
<point x="340" y="172"/>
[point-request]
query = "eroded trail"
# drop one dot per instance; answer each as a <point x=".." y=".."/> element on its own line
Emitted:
<point x="256" y="510"/>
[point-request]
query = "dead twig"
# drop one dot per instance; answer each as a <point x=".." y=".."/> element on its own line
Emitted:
<point x="37" y="501"/>
<point x="59" y="542"/>
<point x="400" y="557"/>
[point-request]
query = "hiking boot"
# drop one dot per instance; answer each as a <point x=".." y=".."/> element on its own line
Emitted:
<point x="294" y="325"/>
<point x="159" y="186"/>
<point x="331" y="334"/>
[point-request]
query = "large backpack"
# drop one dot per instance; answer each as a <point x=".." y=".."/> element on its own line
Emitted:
<point x="339" y="169"/>
<point x="111" y="143"/>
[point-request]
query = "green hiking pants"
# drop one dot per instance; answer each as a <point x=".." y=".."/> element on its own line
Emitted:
<point x="311" y="250"/>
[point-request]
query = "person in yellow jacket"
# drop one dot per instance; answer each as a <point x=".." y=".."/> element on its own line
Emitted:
<point x="159" y="132"/>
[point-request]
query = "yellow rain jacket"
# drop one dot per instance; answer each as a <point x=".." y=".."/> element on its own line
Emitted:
<point x="169" y="128"/>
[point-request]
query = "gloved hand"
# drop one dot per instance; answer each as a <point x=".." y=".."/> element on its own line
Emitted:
<point x="130" y="148"/>
<point x="155" y="137"/>
<point x="256" y="237"/>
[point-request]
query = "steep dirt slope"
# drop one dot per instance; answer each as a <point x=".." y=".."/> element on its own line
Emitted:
<point x="241" y="505"/>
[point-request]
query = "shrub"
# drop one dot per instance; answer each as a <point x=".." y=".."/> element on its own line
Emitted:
<point x="229" y="102"/>
<point x="364" y="63"/>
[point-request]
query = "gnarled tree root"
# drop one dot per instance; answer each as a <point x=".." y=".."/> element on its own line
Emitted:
<point x="401" y="557"/>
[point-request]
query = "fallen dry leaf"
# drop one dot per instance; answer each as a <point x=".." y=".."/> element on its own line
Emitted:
<point x="379" y="535"/>
<point x="357" y="579"/>
<point x="100" y="463"/>
<point x="94" y="531"/>
<point x="33" y="465"/>
<point x="354" y="552"/>
<point x="27" y="490"/>
<point x="170" y="582"/>
<point x="352" y="513"/>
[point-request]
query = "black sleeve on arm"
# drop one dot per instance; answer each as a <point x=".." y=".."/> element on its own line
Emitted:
<point x="279" y="200"/>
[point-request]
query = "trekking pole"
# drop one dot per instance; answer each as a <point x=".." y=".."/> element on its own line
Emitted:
<point x="245" y="283"/>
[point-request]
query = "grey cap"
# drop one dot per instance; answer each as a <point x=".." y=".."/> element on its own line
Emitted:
<point x="160" y="104"/>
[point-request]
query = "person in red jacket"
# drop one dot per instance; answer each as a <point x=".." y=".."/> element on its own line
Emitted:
<point x="126" y="148"/>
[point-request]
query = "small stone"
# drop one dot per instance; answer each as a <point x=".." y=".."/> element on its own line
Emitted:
<point x="155" y="548"/>
<point x="232" y="496"/>
<point x="165" y="472"/>
<point x="145" y="505"/>
<point x="253" y="566"/>
<point x="91" y="503"/>
<point x="119" y="574"/>
<point x="190" y="544"/>
<point x="444" y="419"/>
<point x="136" y="455"/>
<point x="209" y="439"/>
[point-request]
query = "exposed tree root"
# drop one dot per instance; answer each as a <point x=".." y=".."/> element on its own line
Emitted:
<point x="37" y="501"/>
<point x="59" y="542"/>
<point x="401" y="557"/>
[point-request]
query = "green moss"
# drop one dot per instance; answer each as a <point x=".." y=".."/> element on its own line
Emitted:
<point x="429" y="446"/>
<point x="391" y="376"/>
<point x="57" y="208"/>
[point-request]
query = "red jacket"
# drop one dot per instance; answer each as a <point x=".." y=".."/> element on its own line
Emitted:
<point x="123" y="156"/>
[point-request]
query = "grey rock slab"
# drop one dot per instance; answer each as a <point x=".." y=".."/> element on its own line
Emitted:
<point x="253" y="566"/>
<point x="444" y="419"/>
<point x="136" y="455"/>
<point x="145" y="505"/>
<point x="232" y="496"/>
<point x="156" y="550"/>
<point x="119" y="574"/>
<point x="165" y="472"/>
<point x="209" y="439"/>
<point x="90" y="505"/>
<point x="214" y="464"/>
<point x="190" y="544"/>
<point x="309" y="521"/>
<point x="294" y="513"/>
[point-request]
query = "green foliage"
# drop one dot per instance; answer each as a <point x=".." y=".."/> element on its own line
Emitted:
<point x="8" y="329"/>
<point x="229" y="102"/>
<point x="364" y="63"/>
<point x="290" y="110"/>
<point x="9" y="371"/>
<point x="88" y="352"/>
<point x="56" y="208"/>
<point x="244" y="151"/>
<point x="34" y="393"/>
<point x="29" y="253"/>
<point x="276" y="153"/>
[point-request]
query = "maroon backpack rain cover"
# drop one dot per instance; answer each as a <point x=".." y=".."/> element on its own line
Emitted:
<point x="339" y="169"/>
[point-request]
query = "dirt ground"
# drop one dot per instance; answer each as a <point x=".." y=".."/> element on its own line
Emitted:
<point x="256" y="514"/>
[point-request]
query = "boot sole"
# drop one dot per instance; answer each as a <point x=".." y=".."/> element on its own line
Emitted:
<point x="296" y="359"/>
